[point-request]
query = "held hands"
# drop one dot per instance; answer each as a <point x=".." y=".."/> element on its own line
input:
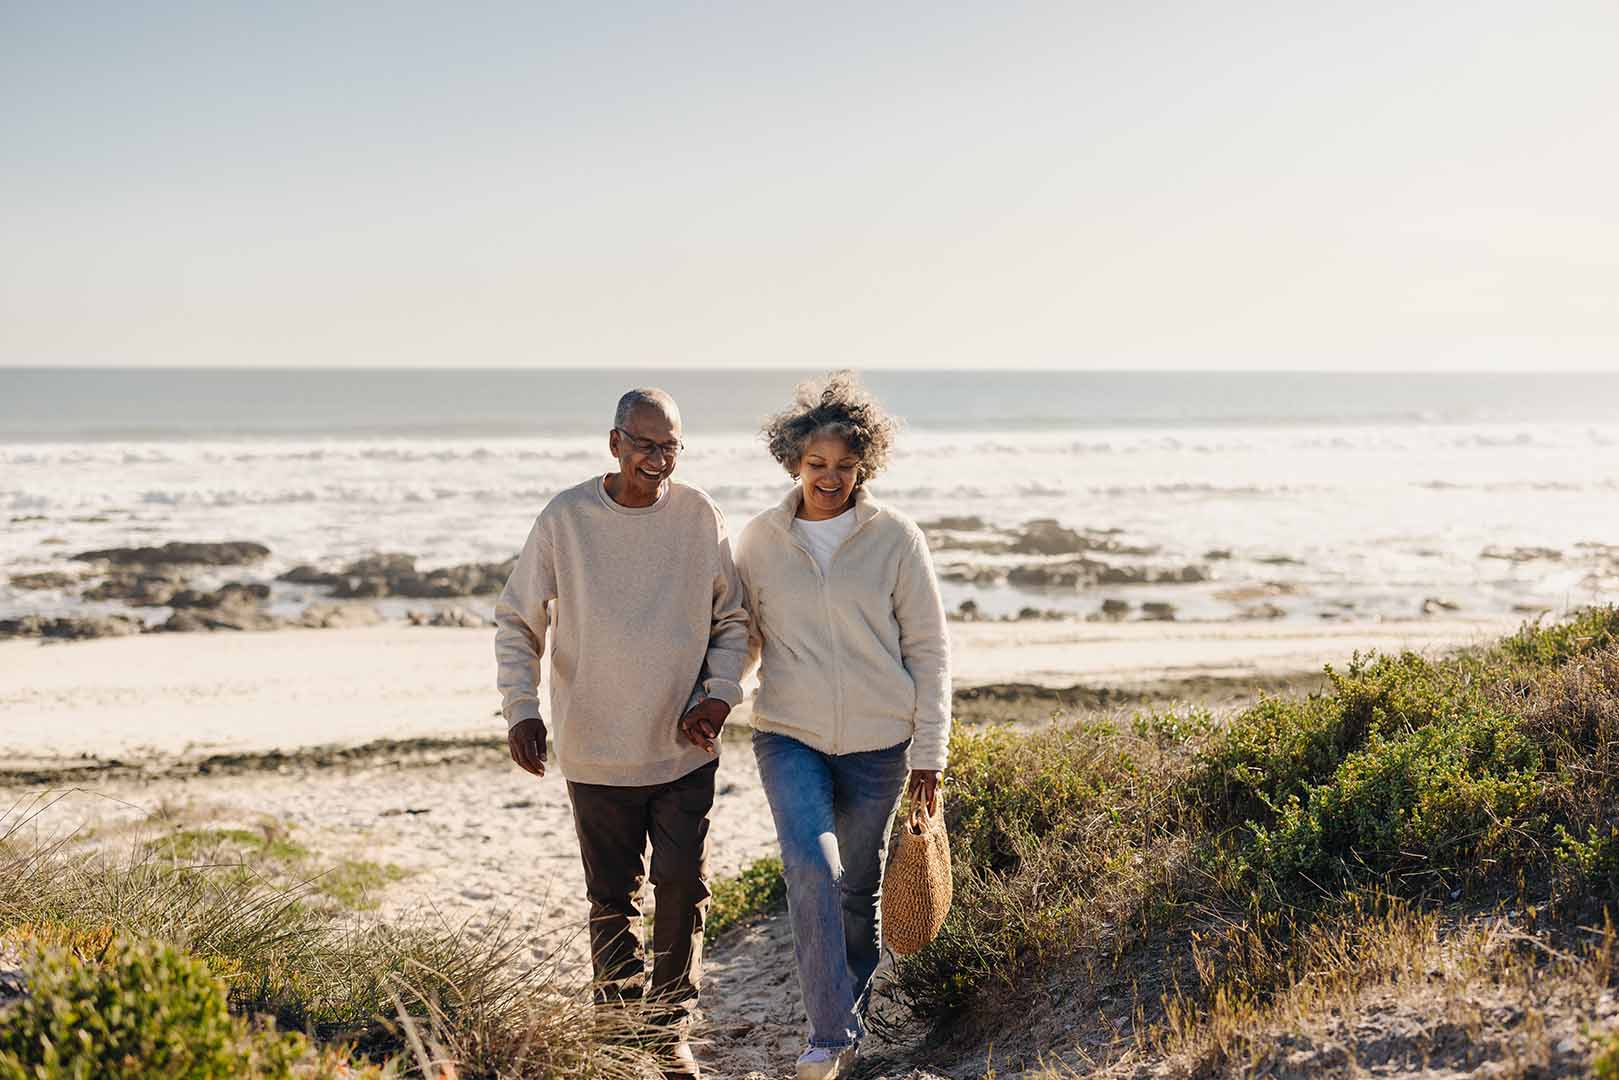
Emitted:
<point x="526" y="740"/>
<point x="702" y="722"/>
<point x="924" y="790"/>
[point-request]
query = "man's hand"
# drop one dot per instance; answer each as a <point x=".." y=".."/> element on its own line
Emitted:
<point x="526" y="740"/>
<point x="702" y="722"/>
<point x="924" y="789"/>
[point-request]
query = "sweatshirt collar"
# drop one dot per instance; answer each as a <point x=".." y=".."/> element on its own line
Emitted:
<point x="782" y="514"/>
<point x="633" y="511"/>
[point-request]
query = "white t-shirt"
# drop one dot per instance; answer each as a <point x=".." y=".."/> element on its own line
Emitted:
<point x="824" y="537"/>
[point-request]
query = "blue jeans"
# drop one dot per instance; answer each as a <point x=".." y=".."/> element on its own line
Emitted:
<point x="833" y="813"/>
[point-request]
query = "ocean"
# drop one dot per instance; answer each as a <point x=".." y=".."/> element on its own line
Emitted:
<point x="1297" y="496"/>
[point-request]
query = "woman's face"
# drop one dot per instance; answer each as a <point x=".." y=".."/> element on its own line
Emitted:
<point x="827" y="475"/>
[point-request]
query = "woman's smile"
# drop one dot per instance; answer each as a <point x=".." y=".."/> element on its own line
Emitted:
<point x="827" y="474"/>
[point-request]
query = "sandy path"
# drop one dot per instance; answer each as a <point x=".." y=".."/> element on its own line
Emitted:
<point x="172" y="694"/>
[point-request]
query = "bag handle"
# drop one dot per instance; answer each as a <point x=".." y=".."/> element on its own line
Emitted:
<point x="920" y="820"/>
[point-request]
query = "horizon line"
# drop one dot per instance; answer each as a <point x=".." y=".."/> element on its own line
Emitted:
<point x="723" y="369"/>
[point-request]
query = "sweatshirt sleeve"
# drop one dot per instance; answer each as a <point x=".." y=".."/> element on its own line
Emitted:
<point x="924" y="647"/>
<point x="756" y="642"/>
<point x="728" y="629"/>
<point x="520" y="623"/>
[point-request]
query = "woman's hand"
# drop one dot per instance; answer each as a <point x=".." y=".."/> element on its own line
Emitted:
<point x="924" y="789"/>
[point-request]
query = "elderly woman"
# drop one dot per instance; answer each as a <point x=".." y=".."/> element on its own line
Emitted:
<point x="854" y="692"/>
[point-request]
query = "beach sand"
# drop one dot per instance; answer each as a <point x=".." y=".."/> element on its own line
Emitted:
<point x="162" y="694"/>
<point x="477" y="842"/>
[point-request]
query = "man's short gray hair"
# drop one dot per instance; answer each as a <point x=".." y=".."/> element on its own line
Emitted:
<point x="649" y="397"/>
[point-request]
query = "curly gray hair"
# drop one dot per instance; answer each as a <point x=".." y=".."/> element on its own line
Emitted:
<point x="834" y="405"/>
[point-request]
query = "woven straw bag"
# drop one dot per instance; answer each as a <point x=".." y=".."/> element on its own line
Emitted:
<point x="916" y="889"/>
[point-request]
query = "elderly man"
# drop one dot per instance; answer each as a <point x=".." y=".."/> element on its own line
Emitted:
<point x="633" y="574"/>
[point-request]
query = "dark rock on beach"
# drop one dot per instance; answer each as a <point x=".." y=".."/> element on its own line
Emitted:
<point x="1043" y="536"/>
<point x="70" y="629"/>
<point x="236" y="606"/>
<point x="382" y="565"/>
<point x="955" y="524"/>
<point x="1040" y="536"/>
<point x="47" y="579"/>
<point x="396" y="575"/>
<point x="1522" y="554"/>
<point x="969" y="611"/>
<point x="1083" y="572"/>
<point x="227" y="553"/>
<point x="971" y="575"/>
<point x="309" y="575"/>
<point x="138" y="588"/>
<point x="1064" y="574"/>
<point x="453" y="617"/>
<point x="338" y="616"/>
<point x="234" y="595"/>
<point x="1433" y="605"/>
<point x="1158" y="612"/>
<point x="1114" y="610"/>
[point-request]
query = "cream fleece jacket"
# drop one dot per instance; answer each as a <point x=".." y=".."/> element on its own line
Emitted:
<point x="646" y="618"/>
<point x="856" y="659"/>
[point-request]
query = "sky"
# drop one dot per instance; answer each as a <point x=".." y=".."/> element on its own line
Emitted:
<point x="1154" y="184"/>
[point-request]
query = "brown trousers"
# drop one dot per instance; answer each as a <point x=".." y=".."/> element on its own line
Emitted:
<point x="614" y="825"/>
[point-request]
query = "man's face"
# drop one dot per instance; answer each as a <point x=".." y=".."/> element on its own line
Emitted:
<point x="646" y="445"/>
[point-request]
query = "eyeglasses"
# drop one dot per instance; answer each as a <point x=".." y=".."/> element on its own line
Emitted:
<point x="648" y="447"/>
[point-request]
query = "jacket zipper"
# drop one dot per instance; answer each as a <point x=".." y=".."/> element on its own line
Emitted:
<point x="838" y="709"/>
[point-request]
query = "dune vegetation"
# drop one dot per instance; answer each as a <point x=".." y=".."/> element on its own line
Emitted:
<point x="1199" y="897"/>
<point x="1414" y="868"/>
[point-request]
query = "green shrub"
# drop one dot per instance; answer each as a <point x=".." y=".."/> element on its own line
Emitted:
<point x="1047" y="830"/>
<point x="1406" y="777"/>
<point x="1605" y="1062"/>
<point x="1006" y="786"/>
<point x="757" y="890"/>
<point x="1272" y="753"/>
<point x="142" y="1010"/>
<point x="1430" y="801"/>
<point x="1585" y="632"/>
<point x="1593" y="860"/>
<point x="1169" y="729"/>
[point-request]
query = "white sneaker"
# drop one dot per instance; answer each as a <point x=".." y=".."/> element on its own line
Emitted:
<point x="826" y="1062"/>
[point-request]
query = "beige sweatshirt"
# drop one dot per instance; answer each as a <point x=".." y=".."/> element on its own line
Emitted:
<point x="855" y="659"/>
<point x="646" y="618"/>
